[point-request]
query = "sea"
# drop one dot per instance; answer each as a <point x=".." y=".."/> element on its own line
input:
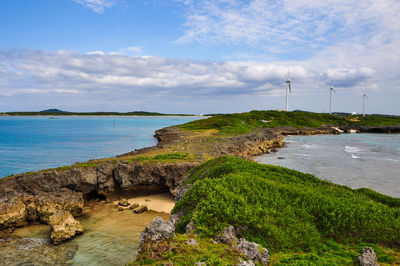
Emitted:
<point x="355" y="160"/>
<point x="30" y="143"/>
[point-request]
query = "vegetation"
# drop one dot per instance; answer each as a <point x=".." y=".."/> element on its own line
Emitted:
<point x="288" y="211"/>
<point x="245" y="122"/>
<point x="162" y="157"/>
<point x="177" y="252"/>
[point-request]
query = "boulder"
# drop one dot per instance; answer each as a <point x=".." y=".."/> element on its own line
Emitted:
<point x="12" y="213"/>
<point x="190" y="227"/>
<point x="134" y="206"/>
<point x="367" y="257"/>
<point x="252" y="251"/>
<point x="157" y="230"/>
<point x="141" y="209"/>
<point x="123" y="203"/>
<point x="63" y="227"/>
<point x="228" y="236"/>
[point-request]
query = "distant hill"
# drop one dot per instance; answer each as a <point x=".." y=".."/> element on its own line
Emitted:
<point x="53" y="111"/>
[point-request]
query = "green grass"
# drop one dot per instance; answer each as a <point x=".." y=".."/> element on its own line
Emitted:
<point x="177" y="252"/>
<point x="161" y="157"/>
<point x="283" y="209"/>
<point x="233" y="124"/>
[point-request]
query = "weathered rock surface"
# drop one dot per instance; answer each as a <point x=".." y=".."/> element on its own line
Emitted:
<point x="141" y="209"/>
<point x="191" y="242"/>
<point x="245" y="263"/>
<point x="123" y="202"/>
<point x="368" y="257"/>
<point x="21" y="209"/>
<point x="252" y="252"/>
<point x="63" y="227"/>
<point x="157" y="230"/>
<point x="228" y="236"/>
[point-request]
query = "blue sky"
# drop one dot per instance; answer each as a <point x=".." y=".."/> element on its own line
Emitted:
<point x="203" y="56"/>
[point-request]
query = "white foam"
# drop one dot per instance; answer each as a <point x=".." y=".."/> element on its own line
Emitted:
<point x="351" y="149"/>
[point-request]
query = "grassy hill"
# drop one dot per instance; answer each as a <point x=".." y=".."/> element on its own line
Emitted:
<point x="299" y="218"/>
<point x="241" y="123"/>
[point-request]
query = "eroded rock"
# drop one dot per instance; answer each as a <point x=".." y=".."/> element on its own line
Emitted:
<point x="252" y="251"/>
<point x="157" y="230"/>
<point x="191" y="242"/>
<point x="367" y="257"/>
<point x="141" y="209"/>
<point x="228" y="236"/>
<point x="123" y="203"/>
<point x="63" y="227"/>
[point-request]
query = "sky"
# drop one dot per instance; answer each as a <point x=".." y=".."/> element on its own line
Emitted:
<point x="199" y="56"/>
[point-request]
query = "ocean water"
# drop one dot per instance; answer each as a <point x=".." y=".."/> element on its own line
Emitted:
<point x="35" y="143"/>
<point x="354" y="160"/>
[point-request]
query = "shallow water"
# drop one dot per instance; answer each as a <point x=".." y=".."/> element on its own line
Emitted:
<point x="111" y="238"/>
<point x="354" y="160"/>
<point x="34" y="143"/>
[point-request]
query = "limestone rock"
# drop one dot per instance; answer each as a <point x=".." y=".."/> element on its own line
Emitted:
<point x="368" y="257"/>
<point x="252" y="252"/>
<point x="190" y="227"/>
<point x="157" y="230"/>
<point x="141" y="209"/>
<point x="191" y="242"/>
<point x="123" y="203"/>
<point x="12" y="213"/>
<point x="245" y="263"/>
<point x="134" y="206"/>
<point x="63" y="227"/>
<point x="228" y="236"/>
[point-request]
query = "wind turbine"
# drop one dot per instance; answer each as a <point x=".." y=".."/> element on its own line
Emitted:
<point x="364" y="97"/>
<point x="330" y="98"/>
<point x="288" y="88"/>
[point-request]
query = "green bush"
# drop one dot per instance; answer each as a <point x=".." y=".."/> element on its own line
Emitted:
<point x="283" y="209"/>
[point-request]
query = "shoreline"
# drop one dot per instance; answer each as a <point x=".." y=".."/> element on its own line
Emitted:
<point x="150" y="170"/>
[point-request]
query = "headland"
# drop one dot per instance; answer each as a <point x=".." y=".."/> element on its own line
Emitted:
<point x="187" y="163"/>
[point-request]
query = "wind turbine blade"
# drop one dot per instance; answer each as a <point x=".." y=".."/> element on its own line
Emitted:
<point x="333" y="90"/>
<point x="290" y="88"/>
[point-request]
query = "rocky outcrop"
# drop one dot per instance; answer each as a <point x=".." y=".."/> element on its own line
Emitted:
<point x="157" y="230"/>
<point x="368" y="257"/>
<point x="228" y="236"/>
<point x="252" y="251"/>
<point x="20" y="209"/>
<point x="63" y="227"/>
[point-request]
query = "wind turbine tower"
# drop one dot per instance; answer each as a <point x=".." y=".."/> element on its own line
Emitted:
<point x="330" y="98"/>
<point x="288" y="89"/>
<point x="364" y="98"/>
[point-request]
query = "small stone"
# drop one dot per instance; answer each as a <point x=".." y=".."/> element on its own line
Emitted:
<point x="134" y="206"/>
<point x="200" y="263"/>
<point x="121" y="208"/>
<point x="123" y="202"/>
<point x="367" y="257"/>
<point x="191" y="242"/>
<point x="245" y="263"/>
<point x="141" y="209"/>
<point x="281" y="158"/>
<point x="147" y="200"/>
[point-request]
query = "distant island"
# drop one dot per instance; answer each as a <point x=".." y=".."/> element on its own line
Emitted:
<point x="57" y="112"/>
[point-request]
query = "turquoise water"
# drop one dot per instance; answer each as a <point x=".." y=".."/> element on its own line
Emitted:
<point x="354" y="160"/>
<point x="35" y="143"/>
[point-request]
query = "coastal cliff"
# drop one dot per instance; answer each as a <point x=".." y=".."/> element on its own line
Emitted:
<point x="39" y="196"/>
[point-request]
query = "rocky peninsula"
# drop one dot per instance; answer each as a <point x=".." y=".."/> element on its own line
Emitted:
<point x="56" y="196"/>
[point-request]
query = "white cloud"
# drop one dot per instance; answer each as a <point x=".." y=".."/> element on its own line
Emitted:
<point x="95" y="53"/>
<point x="97" y="6"/>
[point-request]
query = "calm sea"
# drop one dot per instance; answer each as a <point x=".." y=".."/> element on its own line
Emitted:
<point x="35" y="143"/>
<point x="354" y="160"/>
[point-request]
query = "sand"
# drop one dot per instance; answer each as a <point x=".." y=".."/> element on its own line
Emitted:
<point x="158" y="202"/>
